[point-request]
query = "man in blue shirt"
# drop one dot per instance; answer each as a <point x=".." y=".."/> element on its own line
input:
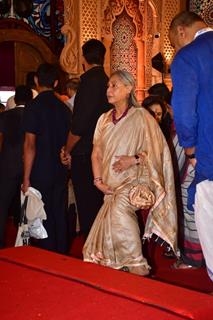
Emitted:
<point x="192" y="103"/>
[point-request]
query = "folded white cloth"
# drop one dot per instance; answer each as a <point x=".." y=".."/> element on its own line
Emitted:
<point x="35" y="205"/>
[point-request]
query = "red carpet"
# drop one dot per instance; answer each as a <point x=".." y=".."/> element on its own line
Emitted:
<point x="192" y="279"/>
<point x="42" y="285"/>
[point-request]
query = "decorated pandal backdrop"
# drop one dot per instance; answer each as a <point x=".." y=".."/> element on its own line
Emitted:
<point x="131" y="30"/>
<point x="135" y="32"/>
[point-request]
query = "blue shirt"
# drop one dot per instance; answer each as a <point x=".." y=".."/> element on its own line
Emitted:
<point x="192" y="101"/>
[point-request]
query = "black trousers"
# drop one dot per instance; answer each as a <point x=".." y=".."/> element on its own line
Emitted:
<point x="88" y="198"/>
<point x="54" y="196"/>
<point x="9" y="194"/>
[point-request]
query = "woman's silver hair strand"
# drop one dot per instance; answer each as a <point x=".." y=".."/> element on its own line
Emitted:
<point x="128" y="79"/>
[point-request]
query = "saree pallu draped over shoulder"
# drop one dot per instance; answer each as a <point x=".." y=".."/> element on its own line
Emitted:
<point x="114" y="239"/>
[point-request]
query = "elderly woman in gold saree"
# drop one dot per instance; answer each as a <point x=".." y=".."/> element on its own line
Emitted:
<point x="129" y="148"/>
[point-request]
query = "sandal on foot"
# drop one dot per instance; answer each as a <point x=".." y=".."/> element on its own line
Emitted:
<point x="180" y="265"/>
<point x="140" y="270"/>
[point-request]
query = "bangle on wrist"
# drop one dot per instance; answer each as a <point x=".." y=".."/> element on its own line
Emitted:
<point x="137" y="160"/>
<point x="190" y="156"/>
<point x="96" y="180"/>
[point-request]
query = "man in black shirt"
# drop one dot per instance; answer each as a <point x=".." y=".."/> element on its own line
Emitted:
<point x="11" y="162"/>
<point x="46" y="124"/>
<point x="90" y="103"/>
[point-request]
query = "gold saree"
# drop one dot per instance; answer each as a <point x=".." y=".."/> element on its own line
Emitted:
<point x="114" y="239"/>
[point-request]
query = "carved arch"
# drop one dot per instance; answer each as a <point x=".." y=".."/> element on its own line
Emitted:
<point x="134" y="9"/>
<point x="114" y="8"/>
<point x="30" y="38"/>
<point x="29" y="50"/>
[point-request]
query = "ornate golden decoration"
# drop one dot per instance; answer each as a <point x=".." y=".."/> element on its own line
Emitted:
<point x="68" y="58"/>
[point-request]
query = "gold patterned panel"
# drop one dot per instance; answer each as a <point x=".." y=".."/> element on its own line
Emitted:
<point x="123" y="48"/>
<point x="152" y="42"/>
<point x="204" y="8"/>
<point x="149" y="45"/>
<point x="89" y="20"/>
<point x="169" y="10"/>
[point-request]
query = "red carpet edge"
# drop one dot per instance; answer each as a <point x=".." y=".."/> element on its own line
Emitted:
<point x="179" y="301"/>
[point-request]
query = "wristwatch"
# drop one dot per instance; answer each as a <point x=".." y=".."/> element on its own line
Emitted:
<point x="190" y="156"/>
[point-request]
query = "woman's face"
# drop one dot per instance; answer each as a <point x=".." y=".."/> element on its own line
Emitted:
<point x="157" y="110"/>
<point x="118" y="92"/>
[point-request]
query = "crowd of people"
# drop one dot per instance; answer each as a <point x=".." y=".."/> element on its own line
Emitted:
<point x="123" y="158"/>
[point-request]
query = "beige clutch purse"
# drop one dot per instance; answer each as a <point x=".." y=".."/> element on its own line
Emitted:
<point x="141" y="196"/>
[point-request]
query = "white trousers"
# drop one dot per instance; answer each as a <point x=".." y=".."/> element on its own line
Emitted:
<point x="204" y="221"/>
